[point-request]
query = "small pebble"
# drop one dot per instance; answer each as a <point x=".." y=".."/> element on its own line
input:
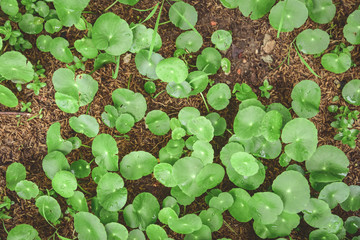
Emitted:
<point x="213" y="23"/>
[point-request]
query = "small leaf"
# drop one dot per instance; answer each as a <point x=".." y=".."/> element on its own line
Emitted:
<point x="104" y="149"/>
<point x="218" y="96"/>
<point x="351" y="92"/>
<point x="49" y="208"/>
<point x="306" y="97"/>
<point x="183" y="15"/>
<point x="15" y="173"/>
<point x="136" y="165"/>
<point x="222" y="39"/>
<point x="85" y="124"/>
<point x="64" y="183"/>
<point x="26" y="189"/>
<point x="158" y="122"/>
<point x="172" y="70"/>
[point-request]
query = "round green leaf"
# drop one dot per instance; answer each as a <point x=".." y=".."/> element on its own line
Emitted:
<point x="64" y="183"/>
<point x="136" y="235"/>
<point x="185" y="225"/>
<point x="10" y="7"/>
<point x="247" y="123"/>
<point x="166" y="214"/>
<point x="288" y="15"/>
<point x="334" y="193"/>
<point x="187" y="114"/>
<point x="351" y="29"/>
<point x="116" y="231"/>
<point x="306" y="97"/>
<point x="257" y="9"/>
<point x="97" y="173"/>
<point x="203" y="150"/>
<point x="43" y="43"/>
<point x="228" y="150"/>
<point x="181" y="197"/>
<point x="212" y="218"/>
<point x="313" y="41"/>
<point x="183" y="15"/>
<point x="222" y="39"/>
<point x="285" y="113"/>
<point x="351" y="92"/>
<point x="244" y="163"/>
<point x="336" y="63"/>
<point x="230" y="3"/>
<point x="352" y="203"/>
<point x="172" y="70"/>
<point x="108" y="216"/>
<point x="209" y="61"/>
<point x="271" y="125"/>
<point x="126" y="101"/>
<point x="218" y="96"/>
<point x="210" y="176"/>
<point x="178" y="90"/>
<point x="266" y="207"/>
<point x="201" y="128"/>
<point x="53" y="163"/>
<point x="143" y="38"/>
<point x="352" y="224"/>
<point x="321" y="11"/>
<point x="78" y="202"/>
<point x="198" y="81"/>
<point x="49" y="208"/>
<point x="293" y="189"/>
<point x="26" y="189"/>
<point x="301" y="136"/>
<point x="59" y="49"/>
<point x="247" y="182"/>
<point x="30" y="24"/>
<point x="317" y="213"/>
<point x="146" y="66"/>
<point x="124" y="123"/>
<point x="322" y="234"/>
<point x="23" y="232"/>
<point x="203" y="233"/>
<point x="136" y="165"/>
<point x="7" y="97"/>
<point x="240" y="210"/>
<point x="163" y="173"/>
<point x="111" y="192"/>
<point x="171" y="203"/>
<point x="158" y="122"/>
<point x="222" y="202"/>
<point x="218" y="122"/>
<point x="104" y="149"/>
<point x="112" y="34"/>
<point x="68" y="11"/>
<point x="80" y="168"/>
<point x="155" y="232"/>
<point x="88" y="227"/>
<point x="85" y="124"/>
<point x="15" y="173"/>
<point x="15" y="67"/>
<point x="190" y="40"/>
<point x="86" y="47"/>
<point x="53" y="26"/>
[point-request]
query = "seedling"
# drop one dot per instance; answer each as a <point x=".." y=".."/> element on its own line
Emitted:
<point x="339" y="60"/>
<point x="25" y="107"/>
<point x="265" y="88"/>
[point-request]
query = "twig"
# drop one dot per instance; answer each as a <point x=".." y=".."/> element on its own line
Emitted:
<point x="15" y="113"/>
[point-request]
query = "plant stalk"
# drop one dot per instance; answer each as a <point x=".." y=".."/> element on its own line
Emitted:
<point x="107" y="9"/>
<point x="206" y="105"/>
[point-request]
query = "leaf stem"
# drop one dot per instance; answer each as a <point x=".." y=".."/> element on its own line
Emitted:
<point x="282" y="19"/>
<point x="207" y="107"/>
<point x="155" y="30"/>
<point x="83" y="190"/>
<point x="158" y="94"/>
<point x="116" y="73"/>
<point x="305" y="63"/>
<point x="128" y="85"/>
<point x="106" y="9"/>
<point x="3" y="223"/>
<point x="86" y="146"/>
<point x="14" y="113"/>
<point x="231" y="229"/>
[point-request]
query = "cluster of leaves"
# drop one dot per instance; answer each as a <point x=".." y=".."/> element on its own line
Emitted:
<point x="345" y="118"/>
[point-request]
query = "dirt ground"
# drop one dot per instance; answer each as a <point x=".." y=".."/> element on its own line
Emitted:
<point x="25" y="141"/>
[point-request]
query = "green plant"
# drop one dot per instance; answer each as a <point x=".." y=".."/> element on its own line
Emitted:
<point x="15" y="37"/>
<point x="339" y="60"/>
<point x="265" y="88"/>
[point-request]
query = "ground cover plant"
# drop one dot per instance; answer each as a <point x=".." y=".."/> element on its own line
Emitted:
<point x="158" y="125"/>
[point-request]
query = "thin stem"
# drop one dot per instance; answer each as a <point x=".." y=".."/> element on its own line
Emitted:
<point x="106" y="9"/>
<point x="229" y="131"/>
<point x="84" y="190"/>
<point x="115" y="75"/>
<point x="282" y="19"/>
<point x="155" y="31"/>
<point x="86" y="146"/>
<point x="4" y="226"/>
<point x="207" y="107"/>
<point x="14" y="113"/>
<point x="164" y="23"/>
<point x="158" y="94"/>
<point x="128" y="86"/>
<point x="231" y="229"/>
<point x="88" y="108"/>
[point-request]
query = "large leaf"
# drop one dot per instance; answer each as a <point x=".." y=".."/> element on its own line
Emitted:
<point x="126" y="101"/>
<point x="104" y="149"/>
<point x="88" y="227"/>
<point x="15" y="67"/>
<point x="135" y="165"/>
<point x="69" y="11"/>
<point x="257" y="9"/>
<point x="306" y="97"/>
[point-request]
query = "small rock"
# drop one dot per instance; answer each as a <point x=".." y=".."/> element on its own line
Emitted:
<point x="213" y="23"/>
<point x="267" y="59"/>
<point x="127" y="58"/>
<point x="269" y="46"/>
<point x="256" y="51"/>
<point x="228" y="82"/>
<point x="244" y="60"/>
<point x="238" y="71"/>
<point x="267" y="38"/>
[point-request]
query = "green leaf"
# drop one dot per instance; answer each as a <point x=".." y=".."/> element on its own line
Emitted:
<point x="222" y="39"/>
<point x="143" y="38"/>
<point x="248" y="121"/>
<point x="102" y="59"/>
<point x="142" y="212"/>
<point x="352" y="203"/>
<point x="129" y="2"/>
<point x="185" y="225"/>
<point x="181" y="197"/>
<point x="244" y="164"/>
<point x="240" y="210"/>
<point x="10" y="7"/>
<point x="285" y="16"/>
<point x="186" y="115"/>
<point x="124" y="123"/>
<point x="190" y="41"/>
<point x="257" y="9"/>
<point x="43" y="43"/>
<point x="351" y="29"/>
<point x="203" y="233"/>
<point x="336" y="63"/>
<point x="59" y="48"/>
<point x="198" y="81"/>
<point x="158" y="122"/>
<point x="351" y="92"/>
<point x="210" y="176"/>
<point x="301" y="136"/>
<point x="69" y="12"/>
<point x="104" y="149"/>
<point x="15" y="173"/>
<point x="271" y="125"/>
<point x="88" y="227"/>
<point x="26" y="189"/>
<point x="306" y="97"/>
<point x="317" y="213"/>
<point x="136" y="235"/>
<point x="111" y="192"/>
<point x="7" y="97"/>
<point x="136" y="165"/>
<point x="30" y="24"/>
<point x="15" y="67"/>
<point x="218" y="96"/>
<point x="209" y="61"/>
<point x="172" y="70"/>
<point x="116" y="231"/>
<point x="78" y="202"/>
<point x="352" y="224"/>
<point x="49" y="208"/>
<point x="163" y="173"/>
<point x="248" y="183"/>
<point x="80" y="168"/>
<point x="203" y="150"/>
<point x="85" y="124"/>
<point x="22" y="232"/>
<point x="97" y="173"/>
<point x="183" y="15"/>
<point x="313" y="41"/>
<point x="212" y="218"/>
<point x="53" y="26"/>
<point x="55" y="142"/>
<point x="243" y="92"/>
<point x="112" y="34"/>
<point x="222" y="202"/>
<point x="322" y="234"/>
<point x="171" y="203"/>
<point x="155" y="232"/>
<point x="86" y="47"/>
<point x="146" y="66"/>
<point x="64" y="183"/>
<point x="218" y="122"/>
<point x="230" y="3"/>
<point x="126" y="101"/>
<point x="54" y="162"/>
<point x="293" y="189"/>
<point x="228" y="150"/>
<point x="321" y="11"/>
<point x="201" y="128"/>
<point x="286" y="116"/>
<point x="334" y="193"/>
<point x="166" y="214"/>
<point x="265" y="207"/>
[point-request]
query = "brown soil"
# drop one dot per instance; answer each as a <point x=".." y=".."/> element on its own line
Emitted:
<point x="25" y="143"/>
